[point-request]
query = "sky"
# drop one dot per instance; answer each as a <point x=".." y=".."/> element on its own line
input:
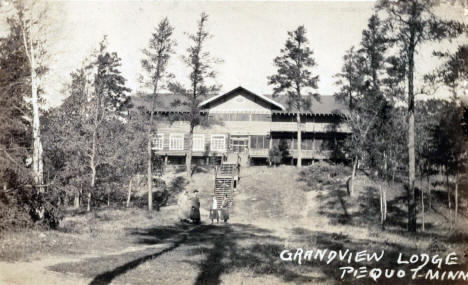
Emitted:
<point x="247" y="36"/>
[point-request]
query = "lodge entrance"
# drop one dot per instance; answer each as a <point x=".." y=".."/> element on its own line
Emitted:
<point x="239" y="143"/>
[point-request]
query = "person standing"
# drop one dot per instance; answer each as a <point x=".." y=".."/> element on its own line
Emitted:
<point x="195" y="207"/>
<point x="214" y="212"/>
<point x="182" y="204"/>
<point x="225" y="208"/>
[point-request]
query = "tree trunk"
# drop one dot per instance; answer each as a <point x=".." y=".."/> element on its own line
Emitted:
<point x="353" y="174"/>
<point x="385" y="166"/>
<point x="430" y="190"/>
<point x="422" y="207"/>
<point x="108" y="195"/>
<point x="88" y="208"/>
<point x="150" y="175"/>
<point x="37" y="164"/>
<point x="456" y="198"/>
<point x="449" y="190"/>
<point x="77" y="200"/>
<point x="383" y="206"/>
<point x="129" y="192"/>
<point x="411" y="135"/>
<point x="93" y="171"/>
<point x="299" y="140"/>
<point x="150" y="133"/>
<point x="188" y="157"/>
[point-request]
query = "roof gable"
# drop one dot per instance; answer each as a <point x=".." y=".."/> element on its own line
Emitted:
<point x="327" y="104"/>
<point x="209" y="102"/>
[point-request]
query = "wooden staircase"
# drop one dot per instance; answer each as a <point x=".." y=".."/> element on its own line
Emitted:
<point x="226" y="176"/>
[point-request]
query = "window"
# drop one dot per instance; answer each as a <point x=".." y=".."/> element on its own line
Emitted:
<point x="176" y="142"/>
<point x="218" y="143"/>
<point x="259" y="142"/>
<point x="158" y="142"/>
<point x="198" y="143"/>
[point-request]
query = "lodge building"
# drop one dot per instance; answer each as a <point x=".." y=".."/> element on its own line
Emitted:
<point x="247" y="124"/>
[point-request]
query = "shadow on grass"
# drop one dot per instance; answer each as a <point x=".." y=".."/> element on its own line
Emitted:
<point x="107" y="277"/>
<point x="223" y="249"/>
<point x="363" y="209"/>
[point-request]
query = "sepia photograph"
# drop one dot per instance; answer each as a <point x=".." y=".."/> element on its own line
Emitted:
<point x="233" y="142"/>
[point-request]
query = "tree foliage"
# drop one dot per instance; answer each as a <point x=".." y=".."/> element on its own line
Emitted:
<point x="200" y="64"/>
<point x="411" y="23"/>
<point x="294" y="78"/>
<point x="154" y="63"/>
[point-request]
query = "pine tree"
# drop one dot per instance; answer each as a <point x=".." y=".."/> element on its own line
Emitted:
<point x="15" y="125"/>
<point x="411" y="23"/>
<point x="351" y="79"/>
<point x="109" y="98"/>
<point x="154" y="63"/>
<point x="201" y="64"/>
<point x="361" y="88"/>
<point x="295" y="79"/>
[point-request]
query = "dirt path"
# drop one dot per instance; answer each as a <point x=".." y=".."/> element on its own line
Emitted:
<point x="36" y="273"/>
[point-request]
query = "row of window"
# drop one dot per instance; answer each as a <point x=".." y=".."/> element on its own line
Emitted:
<point x="306" y="144"/>
<point x="176" y="142"/>
<point x="241" y="117"/>
<point x="259" y="142"/>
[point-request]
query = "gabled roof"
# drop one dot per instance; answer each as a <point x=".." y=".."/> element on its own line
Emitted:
<point x="327" y="104"/>
<point x="163" y="102"/>
<point x="242" y="89"/>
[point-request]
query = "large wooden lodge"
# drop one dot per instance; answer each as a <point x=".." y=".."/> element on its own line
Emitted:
<point x="248" y="124"/>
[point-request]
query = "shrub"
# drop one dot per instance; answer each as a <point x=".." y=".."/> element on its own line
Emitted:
<point x="279" y="153"/>
<point x="26" y="208"/>
<point x="323" y="173"/>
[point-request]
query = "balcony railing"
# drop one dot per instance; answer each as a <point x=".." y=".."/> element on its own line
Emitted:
<point x="314" y="154"/>
<point x="285" y="126"/>
<point x="307" y="127"/>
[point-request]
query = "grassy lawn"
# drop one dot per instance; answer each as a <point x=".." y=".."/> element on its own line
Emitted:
<point x="274" y="209"/>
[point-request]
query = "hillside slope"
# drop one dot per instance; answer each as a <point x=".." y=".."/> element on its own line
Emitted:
<point x="283" y="198"/>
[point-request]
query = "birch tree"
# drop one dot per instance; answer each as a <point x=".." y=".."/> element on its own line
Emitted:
<point x="294" y="78"/>
<point x="32" y="20"/>
<point x="200" y="64"/>
<point x="412" y="23"/>
<point x="154" y="63"/>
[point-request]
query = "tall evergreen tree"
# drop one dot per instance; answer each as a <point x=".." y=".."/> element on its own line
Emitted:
<point x="15" y="112"/>
<point x="413" y="22"/>
<point x="154" y="63"/>
<point x="361" y="88"/>
<point x="200" y="63"/>
<point x="295" y="79"/>
<point x="350" y="80"/>
<point x="109" y="98"/>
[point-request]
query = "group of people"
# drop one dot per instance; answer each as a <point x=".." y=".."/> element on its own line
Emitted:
<point x="218" y="212"/>
<point x="189" y="208"/>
